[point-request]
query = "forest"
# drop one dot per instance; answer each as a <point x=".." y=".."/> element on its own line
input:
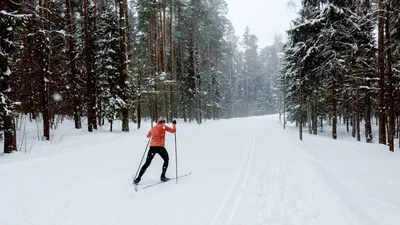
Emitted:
<point x="97" y="61"/>
<point x="111" y="110"/>
<point x="341" y="65"/>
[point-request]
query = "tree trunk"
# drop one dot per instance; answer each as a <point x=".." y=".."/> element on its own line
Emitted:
<point x="173" y="63"/>
<point x="94" y="74"/>
<point x="367" y="117"/>
<point x="230" y="91"/>
<point x="164" y="39"/>
<point x="367" y="96"/>
<point x="99" y="112"/>
<point x="193" y="52"/>
<point x="31" y="47"/>
<point x="157" y="65"/>
<point x="334" y="110"/>
<point x="10" y="144"/>
<point x="45" y="69"/>
<point x="151" y="62"/>
<point x="309" y="117"/>
<point x="180" y="66"/>
<point x="216" y="87"/>
<point x="358" y="116"/>
<point x="90" y="83"/>
<point x="73" y="76"/>
<point x="322" y="123"/>
<point x="163" y="34"/>
<point x="390" y="115"/>
<point x="398" y="129"/>
<point x="123" y="75"/>
<point x="314" y="116"/>
<point x="138" y="111"/>
<point x="381" y="70"/>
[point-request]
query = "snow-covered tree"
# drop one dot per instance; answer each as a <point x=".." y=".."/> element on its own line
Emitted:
<point x="10" y="22"/>
<point x="329" y="60"/>
<point x="108" y="62"/>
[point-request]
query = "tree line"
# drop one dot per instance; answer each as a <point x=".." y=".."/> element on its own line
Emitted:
<point x="337" y="68"/>
<point x="97" y="61"/>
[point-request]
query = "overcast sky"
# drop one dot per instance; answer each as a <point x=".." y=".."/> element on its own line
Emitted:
<point x="265" y="18"/>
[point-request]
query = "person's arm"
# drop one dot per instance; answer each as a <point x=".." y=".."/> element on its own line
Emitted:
<point x="149" y="134"/>
<point x="173" y="129"/>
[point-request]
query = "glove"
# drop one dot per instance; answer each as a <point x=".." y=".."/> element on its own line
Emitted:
<point x="174" y="122"/>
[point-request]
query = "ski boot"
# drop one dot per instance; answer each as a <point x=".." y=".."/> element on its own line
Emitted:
<point x="164" y="179"/>
<point x="136" y="181"/>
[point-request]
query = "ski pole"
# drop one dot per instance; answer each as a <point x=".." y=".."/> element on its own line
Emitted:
<point x="176" y="160"/>
<point x="141" y="160"/>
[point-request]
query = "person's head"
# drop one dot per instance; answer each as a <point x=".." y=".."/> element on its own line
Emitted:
<point x="161" y="120"/>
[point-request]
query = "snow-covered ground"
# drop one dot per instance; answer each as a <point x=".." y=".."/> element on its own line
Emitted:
<point x="244" y="172"/>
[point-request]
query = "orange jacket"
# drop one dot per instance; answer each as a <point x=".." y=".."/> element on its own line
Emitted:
<point x="157" y="134"/>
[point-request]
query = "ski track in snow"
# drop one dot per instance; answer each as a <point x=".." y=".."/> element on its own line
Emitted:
<point x="247" y="210"/>
<point x="247" y="172"/>
<point x="250" y="147"/>
<point x="276" y="193"/>
<point x="265" y="195"/>
<point x="239" y="196"/>
<point x="280" y="193"/>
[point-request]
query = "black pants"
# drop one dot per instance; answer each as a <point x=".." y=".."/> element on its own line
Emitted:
<point x="153" y="150"/>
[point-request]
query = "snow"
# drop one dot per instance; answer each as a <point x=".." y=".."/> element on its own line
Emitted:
<point x="62" y="32"/>
<point x="244" y="171"/>
<point x="8" y="72"/>
<point x="57" y="97"/>
<point x="11" y="14"/>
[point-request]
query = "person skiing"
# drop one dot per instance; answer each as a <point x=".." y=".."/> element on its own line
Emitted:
<point x="157" y="135"/>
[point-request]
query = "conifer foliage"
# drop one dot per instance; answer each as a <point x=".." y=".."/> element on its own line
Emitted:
<point x="99" y="61"/>
<point x="334" y="69"/>
<point x="11" y="20"/>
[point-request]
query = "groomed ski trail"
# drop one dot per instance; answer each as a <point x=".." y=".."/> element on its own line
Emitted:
<point x="246" y="171"/>
<point x="272" y="186"/>
<point x="246" y="161"/>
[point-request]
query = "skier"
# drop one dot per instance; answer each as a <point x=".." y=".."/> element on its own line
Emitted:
<point x="157" y="135"/>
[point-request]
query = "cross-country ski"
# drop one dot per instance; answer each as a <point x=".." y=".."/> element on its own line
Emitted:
<point x="173" y="179"/>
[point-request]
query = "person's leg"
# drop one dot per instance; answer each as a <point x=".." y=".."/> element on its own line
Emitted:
<point x="149" y="158"/>
<point x="164" y="155"/>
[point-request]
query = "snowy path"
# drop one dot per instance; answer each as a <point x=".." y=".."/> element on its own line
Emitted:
<point x="283" y="189"/>
<point x="244" y="172"/>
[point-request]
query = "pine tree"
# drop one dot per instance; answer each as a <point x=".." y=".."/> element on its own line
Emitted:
<point x="251" y="70"/>
<point x="381" y="71"/>
<point x="10" y="22"/>
<point x="366" y="62"/>
<point x="229" y="49"/>
<point x="123" y="74"/>
<point x="212" y="25"/>
<point x="394" y="27"/>
<point x="90" y="76"/>
<point x="323" y="43"/>
<point x="73" y="76"/>
<point x="108" y="63"/>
